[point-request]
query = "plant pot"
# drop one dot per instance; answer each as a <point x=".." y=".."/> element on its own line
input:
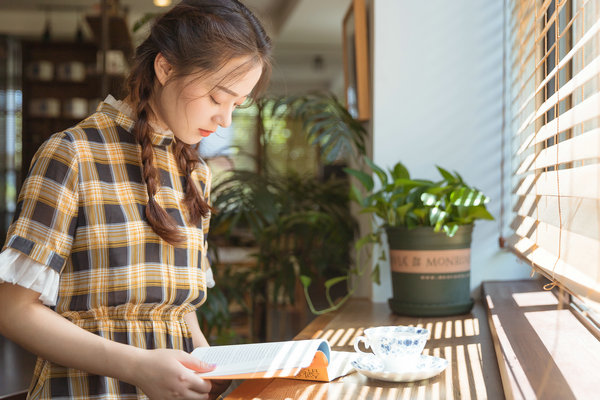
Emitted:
<point x="431" y="272"/>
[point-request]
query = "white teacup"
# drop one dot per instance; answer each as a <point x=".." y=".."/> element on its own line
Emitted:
<point x="397" y="346"/>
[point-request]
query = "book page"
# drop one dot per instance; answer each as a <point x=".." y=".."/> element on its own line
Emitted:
<point x="271" y="359"/>
<point x="339" y="364"/>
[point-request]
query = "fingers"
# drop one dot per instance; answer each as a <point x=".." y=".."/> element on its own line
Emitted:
<point x="195" y="387"/>
<point x="200" y="386"/>
<point x="195" y="364"/>
<point x="190" y="395"/>
<point x="196" y="384"/>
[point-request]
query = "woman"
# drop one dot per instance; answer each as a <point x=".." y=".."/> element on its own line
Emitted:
<point x="111" y="225"/>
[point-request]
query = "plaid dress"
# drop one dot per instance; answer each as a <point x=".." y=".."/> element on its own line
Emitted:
<point x="81" y="212"/>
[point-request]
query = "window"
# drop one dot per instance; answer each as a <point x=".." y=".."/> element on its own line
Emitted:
<point x="256" y="140"/>
<point x="10" y="128"/>
<point x="555" y="118"/>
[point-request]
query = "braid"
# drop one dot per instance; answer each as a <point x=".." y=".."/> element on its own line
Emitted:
<point x="187" y="160"/>
<point x="161" y="222"/>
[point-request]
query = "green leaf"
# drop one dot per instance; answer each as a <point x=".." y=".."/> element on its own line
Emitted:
<point x="383" y="255"/>
<point x="460" y="178"/>
<point x="415" y="195"/>
<point x="378" y="171"/>
<point x="429" y="199"/>
<point x="355" y="195"/>
<point x="375" y="275"/>
<point x="439" y="190"/>
<point x="437" y="217"/>
<point x="372" y="209"/>
<point x="397" y="198"/>
<point x="334" y="153"/>
<point x="400" y="172"/>
<point x="468" y="197"/>
<point x="306" y="280"/>
<point x="315" y="128"/>
<point x="402" y="210"/>
<point x="330" y="282"/>
<point x="410" y="183"/>
<point x="365" y="179"/>
<point x="391" y="217"/>
<point x="479" y="212"/>
<point x="369" y="238"/>
<point x="450" y="229"/>
<point x="447" y="175"/>
<point x="421" y="213"/>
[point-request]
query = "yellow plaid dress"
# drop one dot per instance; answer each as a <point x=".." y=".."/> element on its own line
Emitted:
<point x="81" y="212"/>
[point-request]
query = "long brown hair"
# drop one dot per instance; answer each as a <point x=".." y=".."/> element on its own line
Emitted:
<point x="196" y="37"/>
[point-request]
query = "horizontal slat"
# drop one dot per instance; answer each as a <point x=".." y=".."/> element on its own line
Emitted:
<point x="525" y="76"/>
<point x="522" y="140"/>
<point x="580" y="43"/>
<point x="522" y="20"/>
<point x="581" y="282"/>
<point x="587" y="109"/>
<point x="581" y="147"/>
<point x="521" y="121"/>
<point x="574" y="182"/>
<point x="576" y="250"/>
<point x="580" y="216"/>
<point x="524" y="158"/>
<point x="528" y="120"/>
<point x="591" y="70"/>
<point x="522" y="46"/>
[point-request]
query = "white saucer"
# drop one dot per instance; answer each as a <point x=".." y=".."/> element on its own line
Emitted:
<point x="426" y="367"/>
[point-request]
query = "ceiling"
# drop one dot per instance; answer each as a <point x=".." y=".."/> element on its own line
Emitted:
<point x="303" y="31"/>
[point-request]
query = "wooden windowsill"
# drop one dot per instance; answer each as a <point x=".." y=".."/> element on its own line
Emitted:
<point x="543" y="350"/>
<point x="463" y="340"/>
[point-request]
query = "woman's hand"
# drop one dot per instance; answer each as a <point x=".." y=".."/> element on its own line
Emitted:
<point x="165" y="374"/>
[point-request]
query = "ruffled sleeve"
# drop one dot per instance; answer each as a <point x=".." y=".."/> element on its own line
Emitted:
<point x="17" y="268"/>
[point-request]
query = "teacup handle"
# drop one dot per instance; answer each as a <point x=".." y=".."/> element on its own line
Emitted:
<point x="357" y="342"/>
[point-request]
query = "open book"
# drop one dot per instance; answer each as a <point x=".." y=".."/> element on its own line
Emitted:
<point x="298" y="359"/>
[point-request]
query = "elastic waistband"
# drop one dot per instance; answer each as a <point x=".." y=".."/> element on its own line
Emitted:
<point x="131" y="312"/>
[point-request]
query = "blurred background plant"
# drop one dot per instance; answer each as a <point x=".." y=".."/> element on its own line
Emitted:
<point x="297" y="221"/>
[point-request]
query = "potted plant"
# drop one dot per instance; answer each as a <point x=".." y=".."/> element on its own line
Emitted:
<point x="428" y="226"/>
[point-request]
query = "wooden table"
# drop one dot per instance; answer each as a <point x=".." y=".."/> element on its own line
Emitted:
<point x="465" y="341"/>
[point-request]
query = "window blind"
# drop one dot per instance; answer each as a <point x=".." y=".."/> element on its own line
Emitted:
<point x="554" y="86"/>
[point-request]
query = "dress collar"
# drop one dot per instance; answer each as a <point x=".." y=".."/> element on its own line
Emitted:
<point x="123" y="115"/>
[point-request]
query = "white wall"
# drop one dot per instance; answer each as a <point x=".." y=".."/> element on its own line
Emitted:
<point x="437" y="99"/>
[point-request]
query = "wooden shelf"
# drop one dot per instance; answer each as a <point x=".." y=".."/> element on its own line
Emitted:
<point x="119" y="37"/>
<point x="36" y="129"/>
